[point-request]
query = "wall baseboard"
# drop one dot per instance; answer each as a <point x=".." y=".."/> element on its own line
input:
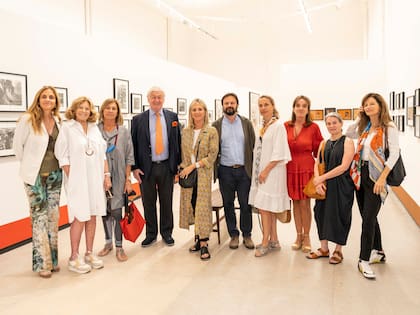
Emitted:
<point x="409" y="203"/>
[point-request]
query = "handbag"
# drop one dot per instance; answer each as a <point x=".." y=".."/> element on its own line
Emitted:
<point x="132" y="223"/>
<point x="284" y="216"/>
<point x="397" y="174"/>
<point x="191" y="180"/>
<point x="310" y="189"/>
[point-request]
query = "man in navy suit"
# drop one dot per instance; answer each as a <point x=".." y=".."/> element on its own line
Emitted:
<point x="157" y="152"/>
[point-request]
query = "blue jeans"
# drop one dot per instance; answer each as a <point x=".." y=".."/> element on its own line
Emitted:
<point x="233" y="180"/>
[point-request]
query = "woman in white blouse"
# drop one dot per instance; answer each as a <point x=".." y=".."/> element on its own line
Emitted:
<point x="369" y="171"/>
<point x="80" y="150"/>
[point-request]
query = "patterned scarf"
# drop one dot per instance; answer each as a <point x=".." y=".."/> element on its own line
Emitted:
<point x="266" y="125"/>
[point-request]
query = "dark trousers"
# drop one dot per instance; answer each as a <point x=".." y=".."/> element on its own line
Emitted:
<point x="369" y="206"/>
<point x="160" y="182"/>
<point x="233" y="180"/>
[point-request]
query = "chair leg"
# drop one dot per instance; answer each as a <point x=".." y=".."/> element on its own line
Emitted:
<point x="218" y="225"/>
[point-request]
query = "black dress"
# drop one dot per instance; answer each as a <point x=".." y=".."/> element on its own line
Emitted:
<point x="333" y="215"/>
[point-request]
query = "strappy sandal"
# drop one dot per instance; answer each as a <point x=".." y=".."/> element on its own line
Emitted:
<point x="274" y="245"/>
<point x="336" y="258"/>
<point x="261" y="251"/>
<point x="318" y="254"/>
<point x="298" y="243"/>
<point x="195" y="248"/>
<point x="204" y="253"/>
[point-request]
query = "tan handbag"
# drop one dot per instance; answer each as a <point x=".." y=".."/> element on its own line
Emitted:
<point x="310" y="189"/>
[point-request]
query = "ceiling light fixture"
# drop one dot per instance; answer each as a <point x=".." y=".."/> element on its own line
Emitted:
<point x="175" y="14"/>
<point x="305" y="15"/>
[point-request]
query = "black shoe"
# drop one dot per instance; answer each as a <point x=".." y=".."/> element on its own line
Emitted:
<point x="148" y="241"/>
<point x="169" y="240"/>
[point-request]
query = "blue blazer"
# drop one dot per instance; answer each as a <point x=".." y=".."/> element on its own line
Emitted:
<point x="140" y="133"/>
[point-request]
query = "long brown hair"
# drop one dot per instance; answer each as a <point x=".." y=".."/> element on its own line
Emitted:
<point x="308" y="119"/>
<point x="35" y="110"/>
<point x="384" y="117"/>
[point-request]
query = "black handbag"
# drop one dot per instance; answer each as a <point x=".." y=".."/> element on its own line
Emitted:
<point x="191" y="180"/>
<point x="397" y="174"/>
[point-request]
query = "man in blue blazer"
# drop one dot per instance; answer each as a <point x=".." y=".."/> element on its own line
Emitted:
<point x="157" y="153"/>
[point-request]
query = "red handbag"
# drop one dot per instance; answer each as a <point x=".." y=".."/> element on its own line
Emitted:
<point x="132" y="223"/>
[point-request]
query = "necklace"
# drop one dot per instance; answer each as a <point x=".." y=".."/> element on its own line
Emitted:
<point x="89" y="151"/>
<point x="266" y="125"/>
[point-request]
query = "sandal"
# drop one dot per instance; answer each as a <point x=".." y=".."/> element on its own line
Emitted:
<point x="196" y="247"/>
<point x="318" y="254"/>
<point x="106" y="250"/>
<point x="298" y="243"/>
<point x="306" y="243"/>
<point x="274" y="245"/>
<point x="336" y="258"/>
<point x="204" y="253"/>
<point x="261" y="251"/>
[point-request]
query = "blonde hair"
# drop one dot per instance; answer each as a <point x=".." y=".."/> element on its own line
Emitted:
<point x="108" y="101"/>
<point x="35" y="111"/>
<point x="197" y="101"/>
<point x="384" y="117"/>
<point x="71" y="112"/>
<point x="271" y="100"/>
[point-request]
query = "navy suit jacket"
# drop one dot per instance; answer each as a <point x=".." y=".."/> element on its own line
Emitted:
<point x="140" y="133"/>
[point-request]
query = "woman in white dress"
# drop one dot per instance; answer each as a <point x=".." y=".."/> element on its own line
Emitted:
<point x="269" y="183"/>
<point x="80" y="150"/>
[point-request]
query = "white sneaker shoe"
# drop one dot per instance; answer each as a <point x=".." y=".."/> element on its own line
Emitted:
<point x="365" y="269"/>
<point x="376" y="257"/>
<point x="78" y="265"/>
<point x="94" y="261"/>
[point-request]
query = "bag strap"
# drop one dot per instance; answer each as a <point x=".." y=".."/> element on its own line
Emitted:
<point x="321" y="153"/>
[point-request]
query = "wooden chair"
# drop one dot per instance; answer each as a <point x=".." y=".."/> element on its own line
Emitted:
<point x="217" y="205"/>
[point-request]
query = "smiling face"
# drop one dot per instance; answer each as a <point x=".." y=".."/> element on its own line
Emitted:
<point x="111" y="111"/>
<point x="301" y="108"/>
<point x="83" y="112"/>
<point x="266" y="108"/>
<point x="334" y="125"/>
<point x="47" y="100"/>
<point x="371" y="107"/>
<point x="156" y="100"/>
<point x="230" y="105"/>
<point x="198" y="112"/>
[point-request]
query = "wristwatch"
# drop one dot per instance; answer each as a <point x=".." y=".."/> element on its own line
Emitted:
<point x="197" y="165"/>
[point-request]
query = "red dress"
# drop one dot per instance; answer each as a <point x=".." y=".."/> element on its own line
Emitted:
<point x="303" y="149"/>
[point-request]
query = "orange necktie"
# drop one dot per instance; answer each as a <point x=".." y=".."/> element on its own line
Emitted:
<point x="159" y="138"/>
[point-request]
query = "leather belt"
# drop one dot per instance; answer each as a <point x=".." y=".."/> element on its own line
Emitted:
<point x="159" y="162"/>
<point x="234" y="166"/>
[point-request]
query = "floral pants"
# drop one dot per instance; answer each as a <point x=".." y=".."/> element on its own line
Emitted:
<point x="44" y="199"/>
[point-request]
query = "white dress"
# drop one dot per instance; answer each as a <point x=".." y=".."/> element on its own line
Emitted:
<point x="84" y="185"/>
<point x="271" y="195"/>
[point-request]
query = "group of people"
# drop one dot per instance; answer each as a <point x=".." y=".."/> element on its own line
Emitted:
<point x="265" y="170"/>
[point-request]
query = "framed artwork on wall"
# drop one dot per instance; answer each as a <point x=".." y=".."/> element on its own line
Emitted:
<point x="13" y="92"/>
<point x="211" y="116"/>
<point x="181" y="105"/>
<point x="417" y="97"/>
<point x="182" y="123"/>
<point x="328" y="110"/>
<point x="417" y="126"/>
<point x="7" y="131"/>
<point x="218" y="109"/>
<point x="64" y="98"/>
<point x="146" y="107"/>
<point x="402" y="100"/>
<point x="254" y="113"/>
<point x="355" y="112"/>
<point x="127" y="123"/>
<point x="392" y="100"/>
<point x="136" y="103"/>
<point x="410" y="111"/>
<point x="121" y="94"/>
<point x="345" y="113"/>
<point x="317" y="114"/>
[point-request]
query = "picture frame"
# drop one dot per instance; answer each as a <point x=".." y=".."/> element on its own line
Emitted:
<point x="211" y="116"/>
<point x="346" y="114"/>
<point x="127" y="123"/>
<point x="121" y="94"/>
<point x="182" y="123"/>
<point x="136" y="103"/>
<point x="317" y="114"/>
<point x="356" y="112"/>
<point x="146" y="107"/>
<point x="417" y="126"/>
<point x="181" y="106"/>
<point x="402" y="99"/>
<point x="218" y="108"/>
<point x="328" y="110"/>
<point x="64" y="98"/>
<point x="254" y="113"/>
<point x="7" y="132"/>
<point x="391" y="104"/>
<point x="410" y="113"/>
<point x="13" y="92"/>
<point x="417" y="97"/>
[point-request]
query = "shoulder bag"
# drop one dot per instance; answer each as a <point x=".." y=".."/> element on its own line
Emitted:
<point x="191" y="180"/>
<point x="310" y="189"/>
<point x="397" y="174"/>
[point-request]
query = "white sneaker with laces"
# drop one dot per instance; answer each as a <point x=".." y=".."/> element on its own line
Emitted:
<point x="94" y="261"/>
<point x="365" y="269"/>
<point x="376" y="257"/>
<point x="78" y="265"/>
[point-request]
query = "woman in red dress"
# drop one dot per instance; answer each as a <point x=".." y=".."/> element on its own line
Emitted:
<point x="304" y="138"/>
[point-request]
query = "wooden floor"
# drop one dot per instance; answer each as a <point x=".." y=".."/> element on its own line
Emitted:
<point x="170" y="280"/>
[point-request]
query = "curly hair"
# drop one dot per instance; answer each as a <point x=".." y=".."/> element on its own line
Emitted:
<point x="71" y="112"/>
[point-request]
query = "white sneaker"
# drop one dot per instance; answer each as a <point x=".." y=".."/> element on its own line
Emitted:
<point x="365" y="269"/>
<point x="94" y="261"/>
<point x="78" y="265"/>
<point x="376" y="257"/>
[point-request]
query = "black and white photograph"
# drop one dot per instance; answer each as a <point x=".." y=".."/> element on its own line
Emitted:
<point x="127" y="123"/>
<point x="328" y="110"/>
<point x="182" y="123"/>
<point x="13" y="92"/>
<point x="7" y="131"/>
<point x="121" y="93"/>
<point x="391" y="100"/>
<point x="211" y="116"/>
<point x="181" y="104"/>
<point x="417" y="126"/>
<point x="64" y="98"/>
<point x="136" y="103"/>
<point x="410" y="111"/>
<point x="254" y="113"/>
<point x="218" y="109"/>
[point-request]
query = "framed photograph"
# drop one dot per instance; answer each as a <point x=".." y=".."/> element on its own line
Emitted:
<point x="13" y="92"/>
<point x="64" y="98"/>
<point x="392" y="100"/>
<point x="169" y="108"/>
<point x="417" y="97"/>
<point x="317" y="114"/>
<point x="402" y="99"/>
<point x="345" y="113"/>
<point x="410" y="111"/>
<point x="328" y="110"/>
<point x="355" y="113"/>
<point x="7" y="131"/>
<point x="146" y="107"/>
<point x="121" y="93"/>
<point x="181" y="106"/>
<point x="218" y="109"/>
<point x="182" y="123"/>
<point x="211" y="116"/>
<point x="417" y="126"/>
<point x="254" y="113"/>
<point x="127" y="123"/>
<point x="136" y="103"/>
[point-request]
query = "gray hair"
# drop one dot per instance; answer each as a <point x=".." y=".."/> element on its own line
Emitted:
<point x="155" y="89"/>
<point x="333" y="114"/>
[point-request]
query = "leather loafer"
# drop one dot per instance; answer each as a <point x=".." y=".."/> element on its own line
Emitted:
<point x="169" y="240"/>
<point x="148" y="241"/>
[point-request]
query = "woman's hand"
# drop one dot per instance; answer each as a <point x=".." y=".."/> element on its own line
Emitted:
<point x="262" y="177"/>
<point x="318" y="180"/>
<point x="186" y="171"/>
<point x="379" y="186"/>
<point x="320" y="189"/>
<point x="107" y="182"/>
<point x="128" y="187"/>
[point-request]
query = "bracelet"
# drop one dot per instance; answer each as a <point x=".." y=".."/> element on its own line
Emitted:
<point x="197" y="165"/>
<point x="107" y="174"/>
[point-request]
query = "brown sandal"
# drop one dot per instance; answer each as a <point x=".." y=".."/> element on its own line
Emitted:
<point x="318" y="254"/>
<point x="336" y="258"/>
